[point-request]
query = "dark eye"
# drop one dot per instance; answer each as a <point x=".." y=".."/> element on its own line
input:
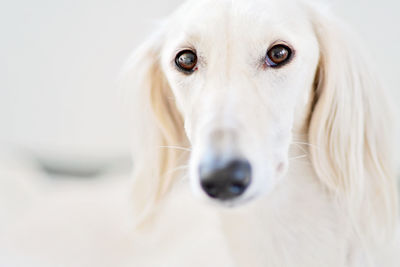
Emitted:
<point x="186" y="61"/>
<point x="278" y="55"/>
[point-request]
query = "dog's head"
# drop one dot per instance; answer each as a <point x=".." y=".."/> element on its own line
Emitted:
<point x="241" y="77"/>
<point x="226" y="86"/>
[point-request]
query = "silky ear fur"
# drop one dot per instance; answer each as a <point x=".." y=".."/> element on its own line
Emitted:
<point x="352" y="133"/>
<point x="158" y="128"/>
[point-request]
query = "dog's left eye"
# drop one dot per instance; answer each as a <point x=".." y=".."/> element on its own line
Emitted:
<point x="278" y="55"/>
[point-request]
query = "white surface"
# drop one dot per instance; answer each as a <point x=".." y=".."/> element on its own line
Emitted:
<point x="58" y="64"/>
<point x="59" y="61"/>
<point x="377" y="22"/>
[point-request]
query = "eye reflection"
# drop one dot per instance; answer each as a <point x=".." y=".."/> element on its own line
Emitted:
<point x="186" y="61"/>
<point x="278" y="55"/>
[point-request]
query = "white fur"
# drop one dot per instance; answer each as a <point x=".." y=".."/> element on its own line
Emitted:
<point x="323" y="116"/>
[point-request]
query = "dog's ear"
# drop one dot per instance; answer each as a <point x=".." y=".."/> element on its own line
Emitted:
<point x="157" y="127"/>
<point x="351" y="128"/>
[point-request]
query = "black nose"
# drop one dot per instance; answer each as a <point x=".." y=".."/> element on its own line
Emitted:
<point x="225" y="181"/>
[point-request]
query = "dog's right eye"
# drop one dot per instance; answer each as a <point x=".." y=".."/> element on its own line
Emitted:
<point x="186" y="61"/>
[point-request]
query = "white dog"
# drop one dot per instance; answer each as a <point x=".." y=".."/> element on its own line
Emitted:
<point x="268" y="110"/>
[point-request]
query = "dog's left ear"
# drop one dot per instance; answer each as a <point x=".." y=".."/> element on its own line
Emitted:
<point x="352" y="130"/>
<point x="158" y="127"/>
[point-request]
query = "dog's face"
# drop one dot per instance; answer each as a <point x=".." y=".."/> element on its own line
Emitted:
<point x="242" y="74"/>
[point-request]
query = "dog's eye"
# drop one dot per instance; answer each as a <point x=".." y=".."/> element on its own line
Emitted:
<point x="186" y="61"/>
<point x="278" y="55"/>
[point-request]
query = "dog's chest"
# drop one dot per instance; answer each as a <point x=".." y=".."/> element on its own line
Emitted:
<point x="291" y="231"/>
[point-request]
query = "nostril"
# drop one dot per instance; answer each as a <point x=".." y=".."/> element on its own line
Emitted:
<point x="210" y="188"/>
<point x="225" y="181"/>
<point x="237" y="188"/>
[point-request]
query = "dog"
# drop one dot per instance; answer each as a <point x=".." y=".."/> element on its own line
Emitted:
<point x="263" y="138"/>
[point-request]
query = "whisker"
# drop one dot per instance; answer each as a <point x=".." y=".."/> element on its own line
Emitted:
<point x="300" y="147"/>
<point x="179" y="168"/>
<point x="305" y="143"/>
<point x="299" y="157"/>
<point x="178" y="148"/>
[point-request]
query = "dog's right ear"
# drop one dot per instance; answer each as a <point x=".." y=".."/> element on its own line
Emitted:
<point x="157" y="128"/>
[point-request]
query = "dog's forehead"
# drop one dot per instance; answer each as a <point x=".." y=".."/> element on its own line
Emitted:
<point x="195" y="14"/>
<point x="201" y="20"/>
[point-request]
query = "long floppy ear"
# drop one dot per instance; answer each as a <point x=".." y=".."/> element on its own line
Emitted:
<point x="158" y="128"/>
<point x="351" y="128"/>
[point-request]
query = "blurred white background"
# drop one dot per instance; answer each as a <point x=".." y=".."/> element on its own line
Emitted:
<point x="59" y="61"/>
